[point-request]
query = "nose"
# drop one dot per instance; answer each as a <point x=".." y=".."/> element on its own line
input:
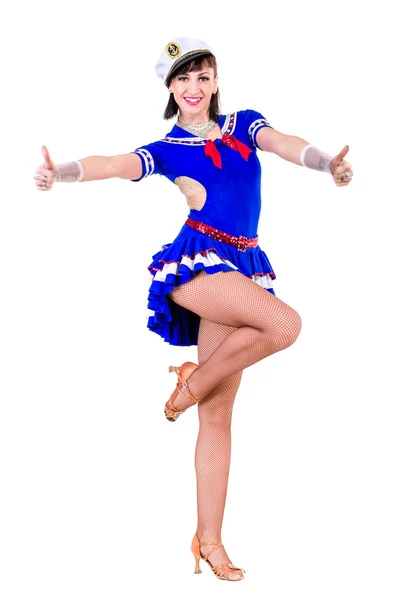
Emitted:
<point x="193" y="87"/>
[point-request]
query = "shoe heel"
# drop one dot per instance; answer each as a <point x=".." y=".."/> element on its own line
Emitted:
<point x="197" y="569"/>
<point x="196" y="553"/>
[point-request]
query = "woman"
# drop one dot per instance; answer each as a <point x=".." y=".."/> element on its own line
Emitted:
<point x="212" y="286"/>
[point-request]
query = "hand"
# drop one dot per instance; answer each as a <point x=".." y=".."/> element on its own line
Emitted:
<point x="339" y="167"/>
<point x="45" y="174"/>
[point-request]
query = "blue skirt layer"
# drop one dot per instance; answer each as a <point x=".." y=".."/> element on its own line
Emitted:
<point x="178" y="262"/>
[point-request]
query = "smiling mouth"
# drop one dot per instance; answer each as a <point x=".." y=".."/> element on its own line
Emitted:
<point x="192" y="101"/>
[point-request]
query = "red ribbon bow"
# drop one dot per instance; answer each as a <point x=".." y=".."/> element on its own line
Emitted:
<point x="210" y="149"/>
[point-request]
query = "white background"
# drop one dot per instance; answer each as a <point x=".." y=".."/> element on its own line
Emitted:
<point x="97" y="488"/>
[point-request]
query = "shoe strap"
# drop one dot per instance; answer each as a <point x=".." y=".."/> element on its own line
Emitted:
<point x="215" y="544"/>
<point x="185" y="391"/>
<point x="184" y="385"/>
<point x="188" y="395"/>
<point x="226" y="568"/>
<point x="171" y="407"/>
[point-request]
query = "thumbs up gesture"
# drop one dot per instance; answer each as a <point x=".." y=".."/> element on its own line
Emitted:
<point x="341" y="169"/>
<point x="46" y="173"/>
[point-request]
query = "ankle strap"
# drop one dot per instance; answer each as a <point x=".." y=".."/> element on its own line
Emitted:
<point x="184" y="386"/>
<point x="209" y="543"/>
<point x="214" y="544"/>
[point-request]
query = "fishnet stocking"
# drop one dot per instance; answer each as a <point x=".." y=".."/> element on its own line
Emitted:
<point x="240" y="324"/>
<point x="263" y="324"/>
<point x="213" y="448"/>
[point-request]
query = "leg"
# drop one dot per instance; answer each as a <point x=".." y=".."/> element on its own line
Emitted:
<point x="262" y="324"/>
<point x="213" y="449"/>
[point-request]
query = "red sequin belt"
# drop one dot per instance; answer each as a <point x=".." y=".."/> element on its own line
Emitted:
<point x="241" y="242"/>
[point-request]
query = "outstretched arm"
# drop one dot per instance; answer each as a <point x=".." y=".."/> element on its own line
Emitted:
<point x="300" y="152"/>
<point x="92" y="168"/>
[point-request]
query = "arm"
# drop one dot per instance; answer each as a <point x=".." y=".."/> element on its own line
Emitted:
<point x="300" y="152"/>
<point x="91" y="168"/>
<point x="288" y="147"/>
<point x="126" y="166"/>
<point x="137" y="165"/>
<point x="95" y="168"/>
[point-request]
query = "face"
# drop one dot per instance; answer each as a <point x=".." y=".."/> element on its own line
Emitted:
<point x="193" y="92"/>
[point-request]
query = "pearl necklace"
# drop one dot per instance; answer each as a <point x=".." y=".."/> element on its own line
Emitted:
<point x="201" y="129"/>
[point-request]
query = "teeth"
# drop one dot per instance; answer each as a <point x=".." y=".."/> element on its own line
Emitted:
<point x="193" y="100"/>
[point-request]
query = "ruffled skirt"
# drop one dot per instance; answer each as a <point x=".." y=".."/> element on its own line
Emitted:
<point x="178" y="262"/>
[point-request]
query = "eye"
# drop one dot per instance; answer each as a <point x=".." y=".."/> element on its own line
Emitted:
<point x="182" y="77"/>
<point x="205" y="78"/>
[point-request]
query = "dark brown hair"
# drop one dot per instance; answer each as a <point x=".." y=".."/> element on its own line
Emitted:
<point x="197" y="64"/>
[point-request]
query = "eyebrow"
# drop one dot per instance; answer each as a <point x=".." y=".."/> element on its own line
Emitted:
<point x="202" y="73"/>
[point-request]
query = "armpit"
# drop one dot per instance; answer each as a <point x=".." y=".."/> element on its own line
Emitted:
<point x="194" y="191"/>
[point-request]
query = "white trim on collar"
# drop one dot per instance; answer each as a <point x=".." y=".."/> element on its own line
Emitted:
<point x="228" y="127"/>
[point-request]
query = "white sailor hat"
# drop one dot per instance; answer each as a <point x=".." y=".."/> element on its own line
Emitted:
<point x="178" y="52"/>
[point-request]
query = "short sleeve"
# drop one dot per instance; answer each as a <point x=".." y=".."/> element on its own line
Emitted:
<point x="151" y="157"/>
<point x="255" y="122"/>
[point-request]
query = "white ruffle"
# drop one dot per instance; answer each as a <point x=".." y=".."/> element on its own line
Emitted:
<point x="210" y="259"/>
<point x="264" y="281"/>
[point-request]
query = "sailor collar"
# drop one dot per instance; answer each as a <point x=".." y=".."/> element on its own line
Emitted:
<point x="177" y="135"/>
<point x="227" y="124"/>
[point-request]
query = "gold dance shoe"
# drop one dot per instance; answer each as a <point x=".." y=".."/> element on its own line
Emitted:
<point x="183" y="372"/>
<point x="225" y="571"/>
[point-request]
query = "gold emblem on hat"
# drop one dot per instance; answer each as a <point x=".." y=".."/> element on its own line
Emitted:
<point x="173" y="50"/>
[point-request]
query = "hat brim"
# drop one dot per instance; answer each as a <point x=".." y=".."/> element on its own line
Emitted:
<point x="189" y="56"/>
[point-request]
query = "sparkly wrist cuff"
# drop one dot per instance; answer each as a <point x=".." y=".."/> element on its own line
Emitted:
<point x="313" y="158"/>
<point x="69" y="172"/>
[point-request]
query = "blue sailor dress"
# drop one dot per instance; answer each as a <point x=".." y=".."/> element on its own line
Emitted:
<point x="232" y="204"/>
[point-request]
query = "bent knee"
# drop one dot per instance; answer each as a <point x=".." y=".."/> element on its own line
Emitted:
<point x="215" y="417"/>
<point x="284" y="331"/>
<point x="295" y="328"/>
